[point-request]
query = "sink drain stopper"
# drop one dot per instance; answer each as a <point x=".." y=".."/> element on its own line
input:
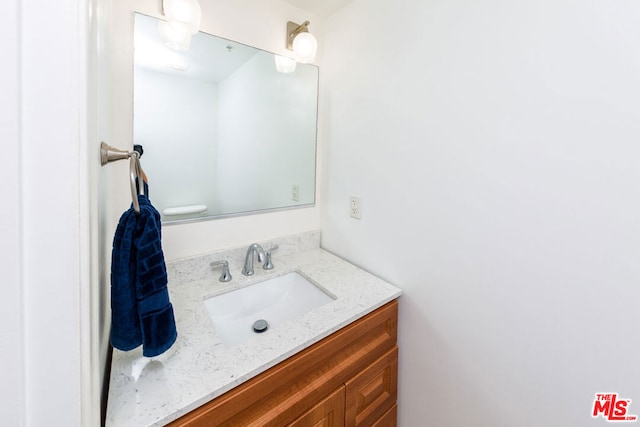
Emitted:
<point x="260" y="326"/>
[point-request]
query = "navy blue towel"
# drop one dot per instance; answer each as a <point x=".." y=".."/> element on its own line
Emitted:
<point x="141" y="312"/>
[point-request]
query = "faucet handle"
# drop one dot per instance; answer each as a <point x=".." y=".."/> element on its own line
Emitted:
<point x="268" y="265"/>
<point x="226" y="275"/>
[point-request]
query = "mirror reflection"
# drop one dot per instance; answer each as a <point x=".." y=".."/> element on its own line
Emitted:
<point x="223" y="131"/>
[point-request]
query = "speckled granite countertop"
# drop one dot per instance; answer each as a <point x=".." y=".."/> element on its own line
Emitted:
<point x="199" y="367"/>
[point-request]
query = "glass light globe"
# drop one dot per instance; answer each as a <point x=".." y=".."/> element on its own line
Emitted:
<point x="173" y="39"/>
<point x="305" y="47"/>
<point x="183" y="15"/>
<point x="285" y="65"/>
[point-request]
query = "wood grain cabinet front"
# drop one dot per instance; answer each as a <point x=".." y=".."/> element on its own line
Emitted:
<point x="371" y="393"/>
<point x="327" y="413"/>
<point x="389" y="419"/>
<point x="347" y="379"/>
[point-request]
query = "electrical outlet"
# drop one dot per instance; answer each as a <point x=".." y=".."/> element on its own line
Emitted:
<point x="295" y="193"/>
<point x="354" y="207"/>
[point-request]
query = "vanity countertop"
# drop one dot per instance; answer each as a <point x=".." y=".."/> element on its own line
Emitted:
<point x="199" y="367"/>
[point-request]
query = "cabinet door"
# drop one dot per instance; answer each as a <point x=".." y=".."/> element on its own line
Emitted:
<point x="373" y="392"/>
<point x="328" y="413"/>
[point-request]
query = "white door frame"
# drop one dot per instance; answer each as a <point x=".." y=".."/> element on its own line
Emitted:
<point x="46" y="105"/>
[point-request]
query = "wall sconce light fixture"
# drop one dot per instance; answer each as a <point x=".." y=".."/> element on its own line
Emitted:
<point x="301" y="42"/>
<point x="183" y="21"/>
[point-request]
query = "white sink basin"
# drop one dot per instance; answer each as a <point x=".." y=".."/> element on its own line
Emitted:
<point x="275" y="301"/>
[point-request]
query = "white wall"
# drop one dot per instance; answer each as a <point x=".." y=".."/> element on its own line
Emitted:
<point x="12" y="393"/>
<point x="267" y="126"/>
<point x="178" y="118"/>
<point x="495" y="147"/>
<point x="46" y="331"/>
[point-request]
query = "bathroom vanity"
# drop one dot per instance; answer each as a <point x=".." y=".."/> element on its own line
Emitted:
<point x="336" y="362"/>
<point x="347" y="379"/>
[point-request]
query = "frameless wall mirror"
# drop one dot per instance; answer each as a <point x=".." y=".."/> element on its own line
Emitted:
<point x="223" y="131"/>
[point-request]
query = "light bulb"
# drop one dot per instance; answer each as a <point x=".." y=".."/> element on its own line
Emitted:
<point x="305" y="47"/>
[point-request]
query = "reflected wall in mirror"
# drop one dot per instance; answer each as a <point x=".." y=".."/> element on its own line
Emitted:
<point x="223" y="132"/>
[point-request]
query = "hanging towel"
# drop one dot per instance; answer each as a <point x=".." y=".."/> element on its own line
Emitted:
<point x="141" y="312"/>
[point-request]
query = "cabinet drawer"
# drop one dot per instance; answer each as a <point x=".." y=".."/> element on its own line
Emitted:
<point x="327" y="413"/>
<point x="371" y="393"/>
<point x="389" y="419"/>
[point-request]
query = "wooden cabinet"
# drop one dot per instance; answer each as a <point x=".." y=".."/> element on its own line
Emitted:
<point x="347" y="379"/>
<point x="371" y="393"/>
<point x="389" y="419"/>
<point x="328" y="413"/>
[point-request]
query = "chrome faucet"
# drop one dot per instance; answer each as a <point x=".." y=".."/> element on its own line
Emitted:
<point x="254" y="249"/>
